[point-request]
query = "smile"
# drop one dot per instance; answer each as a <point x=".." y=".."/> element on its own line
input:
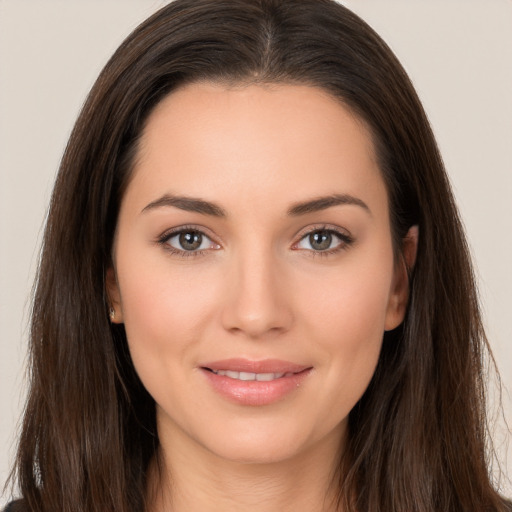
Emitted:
<point x="248" y="376"/>
<point x="255" y="383"/>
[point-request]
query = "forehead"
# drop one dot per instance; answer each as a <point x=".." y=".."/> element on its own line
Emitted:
<point x="208" y="139"/>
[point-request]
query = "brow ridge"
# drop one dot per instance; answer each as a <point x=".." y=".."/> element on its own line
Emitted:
<point x="324" y="202"/>
<point x="189" y="204"/>
<point x="204" y="207"/>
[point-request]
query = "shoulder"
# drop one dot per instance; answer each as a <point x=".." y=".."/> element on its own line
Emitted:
<point x="15" y="506"/>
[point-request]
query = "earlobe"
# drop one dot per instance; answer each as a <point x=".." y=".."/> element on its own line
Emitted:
<point x="399" y="297"/>
<point x="115" y="311"/>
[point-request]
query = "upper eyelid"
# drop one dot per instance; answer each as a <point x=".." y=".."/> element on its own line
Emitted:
<point x="169" y="233"/>
<point x="322" y="227"/>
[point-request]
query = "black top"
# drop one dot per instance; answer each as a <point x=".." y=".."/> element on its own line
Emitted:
<point x="15" y="506"/>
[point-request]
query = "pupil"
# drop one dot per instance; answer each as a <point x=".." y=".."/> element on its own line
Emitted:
<point x="190" y="240"/>
<point x="321" y="240"/>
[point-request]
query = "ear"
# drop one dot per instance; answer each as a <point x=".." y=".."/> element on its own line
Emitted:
<point x="114" y="297"/>
<point x="399" y="296"/>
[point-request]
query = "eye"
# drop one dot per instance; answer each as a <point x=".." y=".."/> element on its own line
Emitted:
<point x="323" y="240"/>
<point x="188" y="241"/>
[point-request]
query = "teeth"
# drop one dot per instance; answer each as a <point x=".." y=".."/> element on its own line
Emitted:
<point x="260" y="377"/>
<point x="268" y="376"/>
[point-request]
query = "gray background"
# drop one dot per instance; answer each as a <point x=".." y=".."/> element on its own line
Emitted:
<point x="458" y="53"/>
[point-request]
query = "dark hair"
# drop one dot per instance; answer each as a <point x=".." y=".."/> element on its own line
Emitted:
<point x="89" y="428"/>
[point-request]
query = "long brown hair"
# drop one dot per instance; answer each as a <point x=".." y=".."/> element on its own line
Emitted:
<point x="417" y="438"/>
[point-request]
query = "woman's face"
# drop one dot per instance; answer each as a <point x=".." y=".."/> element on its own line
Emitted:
<point x="254" y="269"/>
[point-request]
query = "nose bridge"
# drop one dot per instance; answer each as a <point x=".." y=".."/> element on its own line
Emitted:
<point x="257" y="300"/>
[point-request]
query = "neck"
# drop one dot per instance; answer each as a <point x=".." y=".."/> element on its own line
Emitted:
<point x="186" y="477"/>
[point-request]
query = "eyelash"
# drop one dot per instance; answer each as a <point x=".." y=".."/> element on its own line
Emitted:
<point x="345" y="241"/>
<point x="165" y="237"/>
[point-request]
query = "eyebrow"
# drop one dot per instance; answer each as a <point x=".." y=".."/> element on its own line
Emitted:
<point x="193" y="204"/>
<point x="322" y="203"/>
<point x="189" y="204"/>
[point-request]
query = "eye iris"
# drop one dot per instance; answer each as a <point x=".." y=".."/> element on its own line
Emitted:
<point x="190" y="240"/>
<point x="320" y="240"/>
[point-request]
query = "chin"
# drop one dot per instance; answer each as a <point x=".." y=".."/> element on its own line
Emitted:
<point x="257" y="453"/>
<point x="263" y="443"/>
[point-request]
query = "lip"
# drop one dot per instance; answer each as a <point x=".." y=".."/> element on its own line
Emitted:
<point x="253" y="392"/>
<point x="263" y="366"/>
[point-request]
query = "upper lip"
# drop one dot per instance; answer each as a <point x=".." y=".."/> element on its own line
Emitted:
<point x="262" y="366"/>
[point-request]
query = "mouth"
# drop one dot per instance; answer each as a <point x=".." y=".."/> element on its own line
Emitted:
<point x="249" y="376"/>
<point x="255" y="383"/>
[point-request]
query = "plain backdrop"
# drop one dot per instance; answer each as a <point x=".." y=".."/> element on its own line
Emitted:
<point x="457" y="52"/>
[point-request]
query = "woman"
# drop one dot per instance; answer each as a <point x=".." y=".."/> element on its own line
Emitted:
<point x="241" y="302"/>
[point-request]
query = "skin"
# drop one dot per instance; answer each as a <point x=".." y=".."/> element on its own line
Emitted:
<point x="257" y="289"/>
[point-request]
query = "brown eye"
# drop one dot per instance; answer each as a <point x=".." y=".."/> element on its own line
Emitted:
<point x="190" y="240"/>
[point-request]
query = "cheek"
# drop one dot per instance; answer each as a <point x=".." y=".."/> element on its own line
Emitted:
<point x="346" y="317"/>
<point x="164" y="309"/>
<point x="350" y="303"/>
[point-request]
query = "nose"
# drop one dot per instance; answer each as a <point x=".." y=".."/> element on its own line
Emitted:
<point x="258" y="298"/>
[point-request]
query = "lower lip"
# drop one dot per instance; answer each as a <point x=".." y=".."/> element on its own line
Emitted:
<point x="253" y="392"/>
